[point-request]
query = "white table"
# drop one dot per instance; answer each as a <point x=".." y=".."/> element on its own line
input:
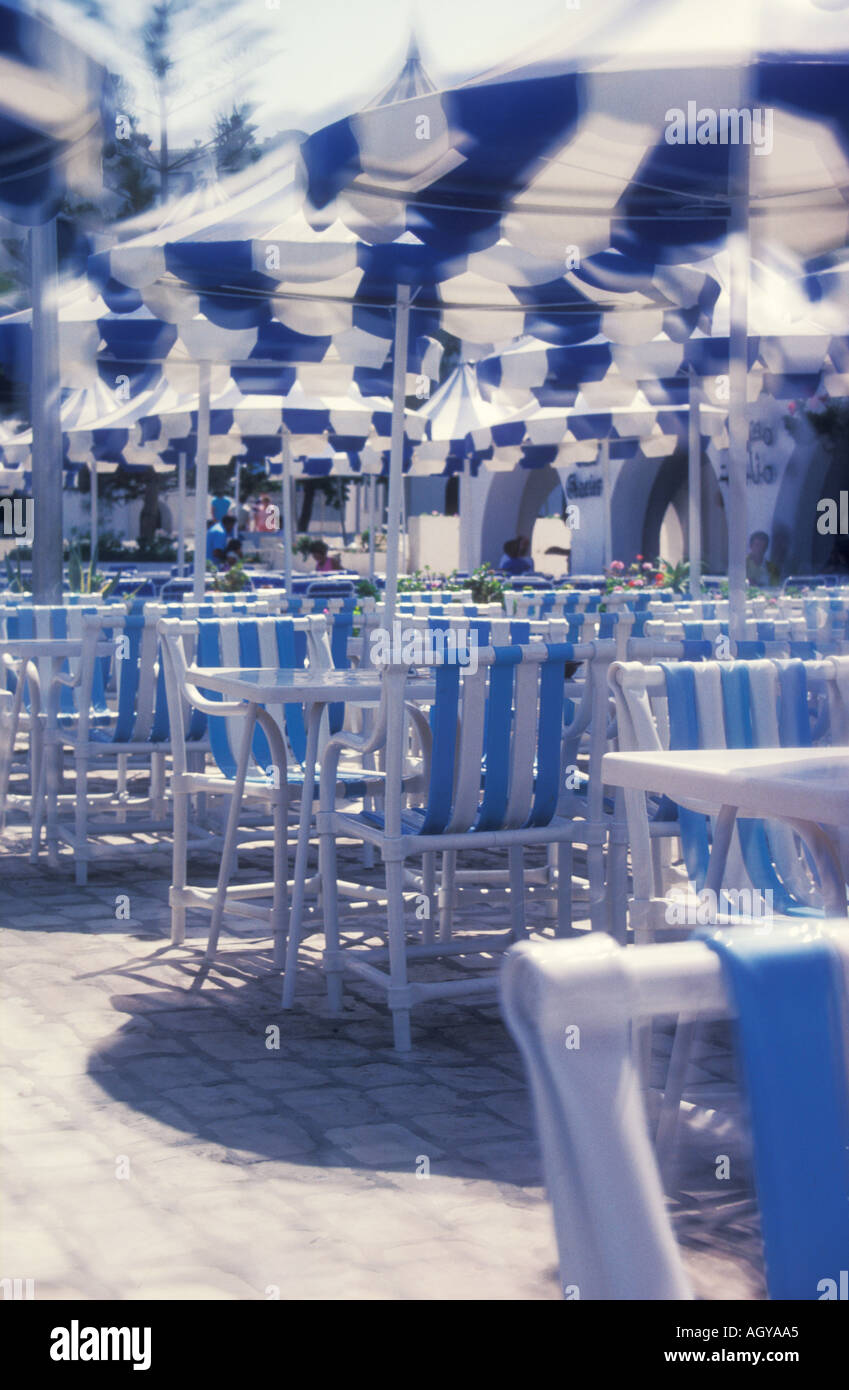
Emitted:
<point x="315" y="689"/>
<point x="806" y="788"/>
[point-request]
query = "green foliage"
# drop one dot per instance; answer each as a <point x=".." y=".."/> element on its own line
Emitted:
<point x="367" y="589"/>
<point x="231" y="581"/>
<point x="234" y="140"/>
<point x="379" y="539"/>
<point x="486" y="585"/>
<point x="83" y="580"/>
<point x="15" y="581"/>
<point x="301" y="546"/>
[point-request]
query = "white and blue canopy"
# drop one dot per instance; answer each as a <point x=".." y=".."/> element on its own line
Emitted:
<point x="50" y="116"/>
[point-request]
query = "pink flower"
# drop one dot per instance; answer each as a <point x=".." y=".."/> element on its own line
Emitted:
<point x="792" y="407"/>
<point x="617" y="566"/>
<point x="648" y="566"/>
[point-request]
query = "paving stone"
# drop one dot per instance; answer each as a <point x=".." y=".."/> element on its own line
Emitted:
<point x="380" y="1143"/>
<point x="253" y="1172"/>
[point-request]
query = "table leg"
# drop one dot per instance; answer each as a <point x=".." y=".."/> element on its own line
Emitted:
<point x="300" y="873"/>
<point x="685" y="1029"/>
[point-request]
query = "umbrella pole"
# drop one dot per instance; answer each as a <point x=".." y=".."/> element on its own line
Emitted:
<point x="236" y="492"/>
<point x="287" y="513"/>
<point x="694" y="489"/>
<point x="46" y="419"/>
<point x="608" y="501"/>
<point x="396" y="457"/>
<point x="94" y="526"/>
<point x="372" y="513"/>
<point x="181" y="523"/>
<point x="738" y="425"/>
<point x="201" y="481"/>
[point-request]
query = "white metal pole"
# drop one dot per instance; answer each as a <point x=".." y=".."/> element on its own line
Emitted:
<point x="94" y="518"/>
<point x="372" y="515"/>
<point x="236" y="491"/>
<point x="396" y="457"/>
<point x="738" y="425"/>
<point x="608" y="501"/>
<point x="181" y="520"/>
<point x="287" y="511"/>
<point x="694" y="494"/>
<point x="46" y="419"/>
<point x="201" y="480"/>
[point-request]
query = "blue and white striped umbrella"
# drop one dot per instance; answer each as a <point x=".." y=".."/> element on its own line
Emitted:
<point x="580" y="142"/>
<point x="252" y="425"/>
<point x="134" y="351"/>
<point x="50" y="116"/>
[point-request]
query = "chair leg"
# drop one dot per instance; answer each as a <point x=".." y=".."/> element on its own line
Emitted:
<point x="598" y="894"/>
<point x="52" y="756"/>
<point x="230" y="835"/>
<point x="179" y="867"/>
<point x="333" y="969"/>
<point x="516" y="862"/>
<point x="81" y="823"/>
<point x="121" y="788"/>
<point x="280" y="895"/>
<point x="399" y="1000"/>
<point x="446" y="894"/>
<point x="565" y="858"/>
<point x="676" y="1080"/>
<point x="37" y="784"/>
<point x="428" y="889"/>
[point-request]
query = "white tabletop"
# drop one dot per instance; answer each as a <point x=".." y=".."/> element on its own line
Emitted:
<point x="809" y="784"/>
<point x="266" y="686"/>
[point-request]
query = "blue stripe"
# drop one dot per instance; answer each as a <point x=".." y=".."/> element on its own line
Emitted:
<point x="209" y="654"/>
<point x="444" y="750"/>
<point x="287" y="655"/>
<point x="129" y="681"/>
<point x="499" y="724"/>
<point x="790" y="997"/>
<point x="739" y="733"/>
<point x="684" y="733"/>
<point x="249" y="658"/>
<point x="549" y="734"/>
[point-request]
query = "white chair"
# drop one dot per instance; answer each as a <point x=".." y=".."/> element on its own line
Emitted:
<point x="492" y="777"/>
<point x="571" y="1007"/>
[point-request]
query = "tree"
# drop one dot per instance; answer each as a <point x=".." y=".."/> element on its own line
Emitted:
<point x="127" y="157"/>
<point x="234" y="141"/>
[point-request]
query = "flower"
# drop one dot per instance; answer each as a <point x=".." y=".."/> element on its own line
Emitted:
<point x="647" y="565"/>
<point x="639" y="557"/>
<point x="617" y="566"/>
<point x="792" y="407"/>
<point x="659" y="579"/>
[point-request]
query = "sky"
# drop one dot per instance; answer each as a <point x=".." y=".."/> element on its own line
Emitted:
<point x="303" y="62"/>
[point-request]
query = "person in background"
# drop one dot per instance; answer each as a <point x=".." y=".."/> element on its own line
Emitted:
<point x="757" y="570"/>
<point x="515" y="558"/>
<point x="324" y="561"/>
<point x="233" y="553"/>
<point x="265" y="515"/>
<point x="216" y="538"/>
<point x="220" y="507"/>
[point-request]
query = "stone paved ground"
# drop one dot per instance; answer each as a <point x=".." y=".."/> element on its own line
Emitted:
<point x="153" y="1146"/>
